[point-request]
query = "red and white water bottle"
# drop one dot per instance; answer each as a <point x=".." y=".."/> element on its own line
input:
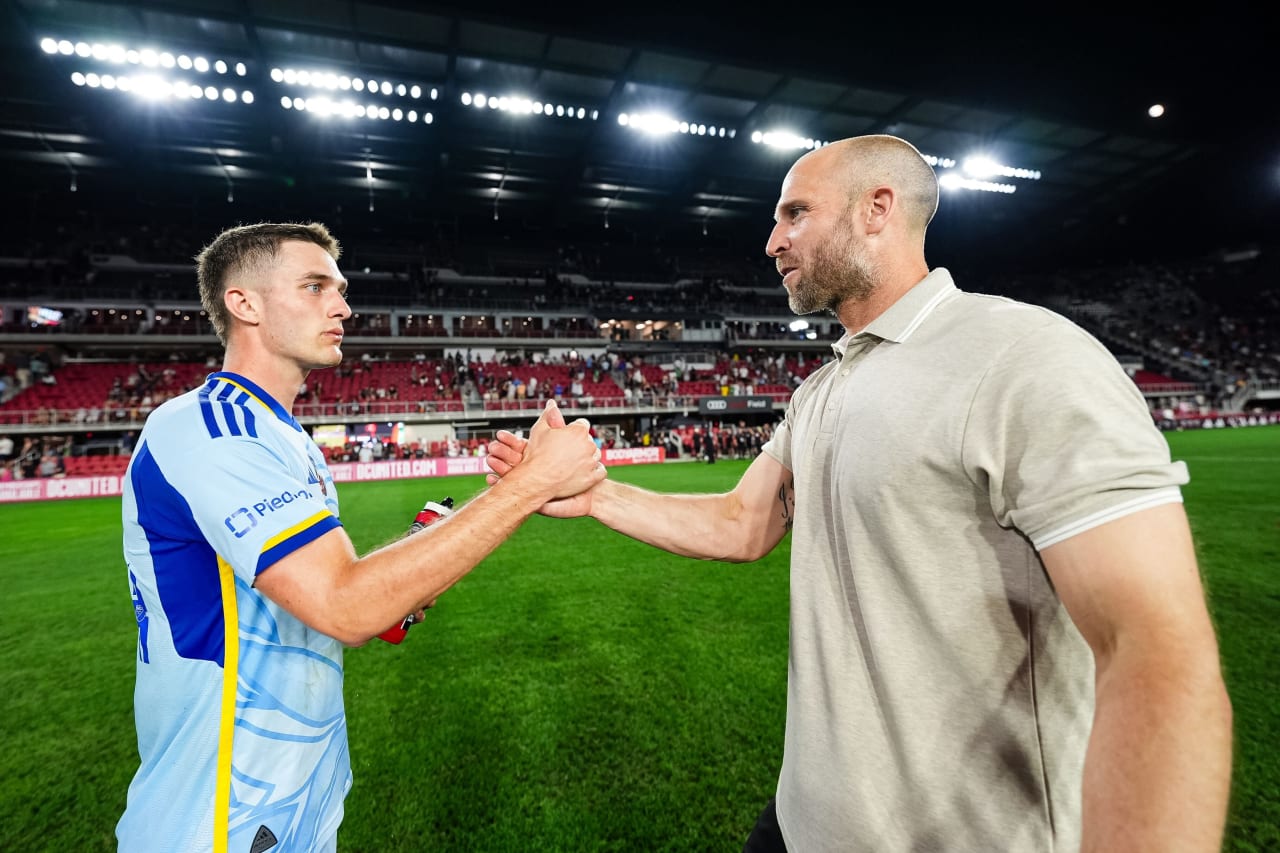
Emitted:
<point x="430" y="512"/>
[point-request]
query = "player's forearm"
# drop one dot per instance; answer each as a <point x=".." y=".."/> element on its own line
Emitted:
<point x="406" y="575"/>
<point x="1158" y="770"/>
<point x="706" y="527"/>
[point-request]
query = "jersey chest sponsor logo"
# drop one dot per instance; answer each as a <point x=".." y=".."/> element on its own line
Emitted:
<point x="245" y="519"/>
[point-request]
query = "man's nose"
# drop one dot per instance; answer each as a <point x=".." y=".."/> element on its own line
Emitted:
<point x="778" y="241"/>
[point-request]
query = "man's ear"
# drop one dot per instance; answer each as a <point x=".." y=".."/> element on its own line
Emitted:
<point x="243" y="304"/>
<point x="880" y="201"/>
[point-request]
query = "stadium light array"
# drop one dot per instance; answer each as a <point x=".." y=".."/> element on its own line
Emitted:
<point x="155" y="88"/>
<point x="985" y="167"/>
<point x="334" y="81"/>
<point x="785" y="140"/>
<point x="325" y="107"/>
<point x="147" y="57"/>
<point x="659" y="124"/>
<point x="521" y="105"/>
<point x="952" y="181"/>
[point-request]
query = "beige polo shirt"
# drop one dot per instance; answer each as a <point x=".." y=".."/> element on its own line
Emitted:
<point x="939" y="697"/>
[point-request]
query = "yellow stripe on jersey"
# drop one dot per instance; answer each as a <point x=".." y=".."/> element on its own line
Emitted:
<point x="297" y="528"/>
<point x="244" y="389"/>
<point x="227" y="719"/>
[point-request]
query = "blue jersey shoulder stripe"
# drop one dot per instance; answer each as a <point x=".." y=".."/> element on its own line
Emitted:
<point x="294" y="538"/>
<point x="206" y="412"/>
<point x="228" y="411"/>
<point x="250" y="425"/>
<point x="185" y="566"/>
<point x="237" y="416"/>
<point x="261" y="396"/>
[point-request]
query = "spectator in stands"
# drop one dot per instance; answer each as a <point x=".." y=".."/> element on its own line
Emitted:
<point x="999" y="635"/>
<point x="51" y="465"/>
<point x="244" y="580"/>
<point x="6" y="448"/>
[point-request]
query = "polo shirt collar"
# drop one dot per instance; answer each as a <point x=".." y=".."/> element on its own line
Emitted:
<point x="905" y="316"/>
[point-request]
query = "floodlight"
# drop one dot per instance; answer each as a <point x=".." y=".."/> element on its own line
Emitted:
<point x="241" y="70"/>
<point x="246" y="96"/>
<point x="220" y="67"/>
<point x="48" y="45"/>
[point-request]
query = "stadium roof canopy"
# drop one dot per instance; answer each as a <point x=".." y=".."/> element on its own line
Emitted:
<point x="1063" y="100"/>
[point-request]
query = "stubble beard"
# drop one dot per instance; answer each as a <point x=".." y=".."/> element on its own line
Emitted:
<point x="838" y="272"/>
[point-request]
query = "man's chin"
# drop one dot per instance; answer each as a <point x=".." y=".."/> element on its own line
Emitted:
<point x="332" y="359"/>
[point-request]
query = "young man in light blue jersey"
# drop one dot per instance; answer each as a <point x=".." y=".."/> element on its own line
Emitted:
<point x="999" y="640"/>
<point x="245" y="585"/>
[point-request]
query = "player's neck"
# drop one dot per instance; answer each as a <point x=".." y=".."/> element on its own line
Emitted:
<point x="281" y="379"/>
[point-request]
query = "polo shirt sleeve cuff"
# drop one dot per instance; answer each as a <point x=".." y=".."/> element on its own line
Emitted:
<point x="1146" y="500"/>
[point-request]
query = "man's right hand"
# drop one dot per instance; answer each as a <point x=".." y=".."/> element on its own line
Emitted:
<point x="509" y="450"/>
<point x="558" y="461"/>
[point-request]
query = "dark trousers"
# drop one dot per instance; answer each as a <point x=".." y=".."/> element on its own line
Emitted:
<point x="766" y="835"/>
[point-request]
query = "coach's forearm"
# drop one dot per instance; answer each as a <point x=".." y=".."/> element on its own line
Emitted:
<point x="1158" y="769"/>
<point x="702" y="526"/>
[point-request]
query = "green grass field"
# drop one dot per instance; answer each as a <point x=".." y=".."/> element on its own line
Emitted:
<point x="579" y="691"/>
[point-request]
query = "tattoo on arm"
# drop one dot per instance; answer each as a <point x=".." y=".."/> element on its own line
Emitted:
<point x="787" y="497"/>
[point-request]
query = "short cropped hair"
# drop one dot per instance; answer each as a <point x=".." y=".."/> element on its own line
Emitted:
<point x="245" y="249"/>
<point x="869" y="160"/>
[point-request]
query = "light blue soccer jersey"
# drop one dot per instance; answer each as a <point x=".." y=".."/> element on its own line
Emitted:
<point x="238" y="705"/>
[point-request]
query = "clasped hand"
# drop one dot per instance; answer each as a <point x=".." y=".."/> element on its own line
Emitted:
<point x="573" y="479"/>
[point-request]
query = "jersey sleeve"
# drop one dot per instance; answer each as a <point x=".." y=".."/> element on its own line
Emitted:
<point x="1063" y="440"/>
<point x="252" y="504"/>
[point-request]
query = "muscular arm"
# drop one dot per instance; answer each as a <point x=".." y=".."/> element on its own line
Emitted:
<point x="737" y="526"/>
<point x="1158" y="767"/>
<point x="352" y="599"/>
